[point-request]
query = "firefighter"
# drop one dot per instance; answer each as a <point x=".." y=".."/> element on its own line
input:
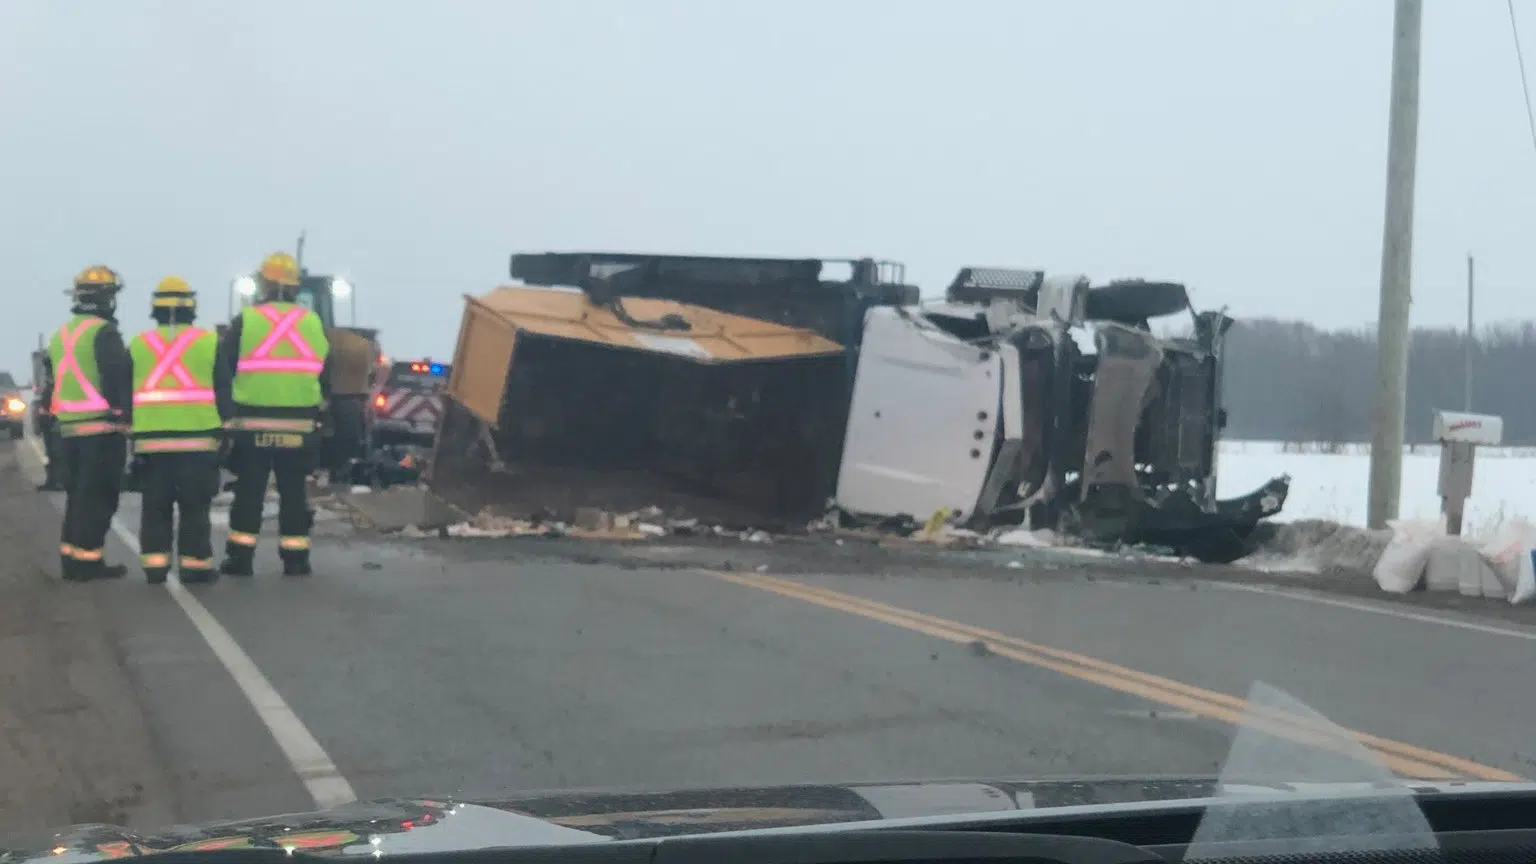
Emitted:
<point x="179" y="388"/>
<point x="92" y="378"/>
<point x="279" y="354"/>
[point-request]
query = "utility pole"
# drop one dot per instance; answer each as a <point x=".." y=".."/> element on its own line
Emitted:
<point x="1396" y="269"/>
<point x="1466" y="403"/>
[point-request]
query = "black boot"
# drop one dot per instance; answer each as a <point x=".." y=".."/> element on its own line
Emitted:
<point x="296" y="562"/>
<point x="238" y="561"/>
<point x="198" y="575"/>
<point x="93" y="571"/>
<point x="156" y="575"/>
<point x="69" y="568"/>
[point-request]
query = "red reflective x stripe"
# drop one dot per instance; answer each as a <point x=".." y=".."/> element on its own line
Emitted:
<point x="168" y="363"/>
<point x="282" y="328"/>
<point x="68" y="365"/>
<point x="261" y="359"/>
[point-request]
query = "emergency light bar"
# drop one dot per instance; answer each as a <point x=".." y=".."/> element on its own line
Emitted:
<point x="428" y="367"/>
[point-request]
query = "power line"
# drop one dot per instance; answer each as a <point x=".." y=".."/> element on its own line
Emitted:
<point x="1525" y="86"/>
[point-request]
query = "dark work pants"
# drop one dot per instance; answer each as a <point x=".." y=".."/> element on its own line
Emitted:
<point x="254" y="461"/>
<point x="172" y="482"/>
<point x="93" y="474"/>
<point x="343" y="442"/>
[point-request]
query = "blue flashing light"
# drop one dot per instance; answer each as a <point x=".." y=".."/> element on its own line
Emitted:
<point x="437" y="369"/>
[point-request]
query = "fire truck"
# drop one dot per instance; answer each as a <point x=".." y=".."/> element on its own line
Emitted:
<point x="407" y="403"/>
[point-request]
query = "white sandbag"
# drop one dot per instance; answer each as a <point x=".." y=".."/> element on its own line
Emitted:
<point x="1449" y="566"/>
<point x="1525" y="579"/>
<point x="1509" y="551"/>
<point x="1401" y="564"/>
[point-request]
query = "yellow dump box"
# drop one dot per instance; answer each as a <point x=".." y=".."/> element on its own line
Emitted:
<point x="557" y="402"/>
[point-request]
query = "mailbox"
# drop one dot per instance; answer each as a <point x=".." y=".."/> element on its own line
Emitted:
<point x="1483" y="430"/>
<point x="1460" y="434"/>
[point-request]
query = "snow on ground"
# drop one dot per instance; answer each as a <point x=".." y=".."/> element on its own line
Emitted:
<point x="1321" y="528"/>
<point x="1332" y="486"/>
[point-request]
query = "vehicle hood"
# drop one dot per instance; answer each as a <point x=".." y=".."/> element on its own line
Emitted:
<point x="413" y="825"/>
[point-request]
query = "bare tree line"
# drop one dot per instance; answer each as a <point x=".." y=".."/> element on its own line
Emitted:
<point x="1289" y="381"/>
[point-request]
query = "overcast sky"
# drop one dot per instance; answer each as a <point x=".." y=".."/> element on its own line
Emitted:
<point x="1237" y="146"/>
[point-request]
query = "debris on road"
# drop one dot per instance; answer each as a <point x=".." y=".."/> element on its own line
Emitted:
<point x="651" y="524"/>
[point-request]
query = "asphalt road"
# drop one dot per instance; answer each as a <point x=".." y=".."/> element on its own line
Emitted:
<point x="473" y="667"/>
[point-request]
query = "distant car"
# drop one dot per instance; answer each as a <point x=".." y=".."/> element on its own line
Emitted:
<point x="13" y="408"/>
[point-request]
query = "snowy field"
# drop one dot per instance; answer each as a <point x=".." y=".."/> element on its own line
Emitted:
<point x="1332" y="486"/>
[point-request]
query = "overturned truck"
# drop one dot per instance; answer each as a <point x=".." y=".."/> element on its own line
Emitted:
<point x="766" y="392"/>
<point x="1042" y="400"/>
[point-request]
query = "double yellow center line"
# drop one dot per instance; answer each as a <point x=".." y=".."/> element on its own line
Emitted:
<point x="1405" y="760"/>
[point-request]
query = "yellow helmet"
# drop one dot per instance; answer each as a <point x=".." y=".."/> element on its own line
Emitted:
<point x="95" y="290"/>
<point x="98" y="276"/>
<point x="173" y="292"/>
<point x="279" y="267"/>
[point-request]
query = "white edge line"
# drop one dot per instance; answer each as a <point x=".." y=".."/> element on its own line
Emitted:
<point x="1376" y="608"/>
<point x="314" y="767"/>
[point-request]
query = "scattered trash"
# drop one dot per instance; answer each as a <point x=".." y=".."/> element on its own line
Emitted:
<point x="650" y="523"/>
